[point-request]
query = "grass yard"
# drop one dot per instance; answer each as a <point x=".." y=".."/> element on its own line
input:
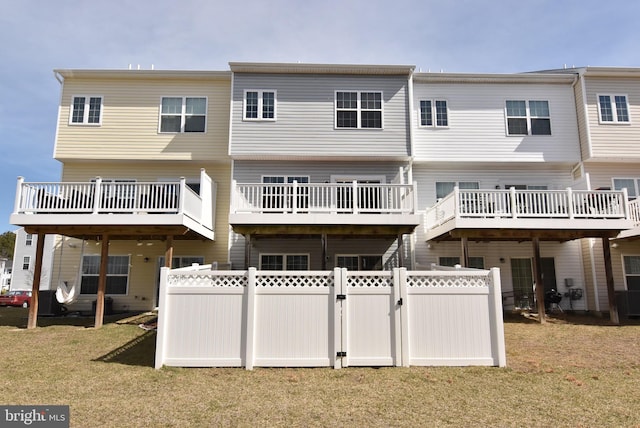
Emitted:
<point x="576" y="372"/>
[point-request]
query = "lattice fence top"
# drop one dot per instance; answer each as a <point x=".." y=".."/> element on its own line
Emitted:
<point x="311" y="279"/>
<point x="209" y="279"/>
<point x="449" y="281"/>
<point x="369" y="281"/>
<point x="299" y="281"/>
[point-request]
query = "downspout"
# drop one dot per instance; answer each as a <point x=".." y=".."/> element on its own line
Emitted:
<point x="232" y="186"/>
<point x="413" y="236"/>
<point x="60" y="80"/>
<point x="587" y="133"/>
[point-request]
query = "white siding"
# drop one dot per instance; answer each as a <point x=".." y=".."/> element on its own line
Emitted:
<point x="488" y="176"/>
<point x="477" y="124"/>
<point x="305" y="118"/>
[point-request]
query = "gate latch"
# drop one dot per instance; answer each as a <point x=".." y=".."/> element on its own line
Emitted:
<point x="400" y="301"/>
<point x="341" y="297"/>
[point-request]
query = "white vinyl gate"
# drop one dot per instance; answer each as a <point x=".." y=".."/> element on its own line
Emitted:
<point x="333" y="318"/>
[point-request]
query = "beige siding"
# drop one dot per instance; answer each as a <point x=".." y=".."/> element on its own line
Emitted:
<point x="143" y="274"/>
<point x="614" y="141"/>
<point x="594" y="262"/>
<point x="130" y="121"/>
<point x="602" y="174"/>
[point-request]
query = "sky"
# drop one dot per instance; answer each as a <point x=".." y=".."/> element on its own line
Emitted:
<point x="466" y="36"/>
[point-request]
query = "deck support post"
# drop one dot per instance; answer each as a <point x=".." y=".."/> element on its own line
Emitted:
<point x="537" y="270"/>
<point x="247" y="250"/>
<point x="323" y="243"/>
<point x="464" y="243"/>
<point x="400" y="251"/>
<point x="608" y="270"/>
<point x="102" y="281"/>
<point x="35" y="286"/>
<point x="168" y="252"/>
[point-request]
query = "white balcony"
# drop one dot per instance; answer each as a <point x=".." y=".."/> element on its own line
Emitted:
<point x="571" y="213"/>
<point x="324" y="204"/>
<point x="102" y="204"/>
<point x="634" y="212"/>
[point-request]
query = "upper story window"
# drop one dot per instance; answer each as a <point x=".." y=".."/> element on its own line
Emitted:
<point x="183" y="114"/>
<point x="434" y="113"/>
<point x="528" y="117"/>
<point x="358" y="109"/>
<point x="631" y="184"/>
<point x="613" y="109"/>
<point x="28" y="239"/>
<point x="86" y="110"/>
<point x="259" y="104"/>
<point x="26" y="262"/>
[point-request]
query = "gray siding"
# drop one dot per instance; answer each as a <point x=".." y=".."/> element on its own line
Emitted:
<point x="318" y="172"/>
<point x="477" y="124"/>
<point x="312" y="247"/>
<point x="305" y="118"/>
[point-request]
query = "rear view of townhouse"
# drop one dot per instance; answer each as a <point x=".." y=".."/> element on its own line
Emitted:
<point x="369" y="167"/>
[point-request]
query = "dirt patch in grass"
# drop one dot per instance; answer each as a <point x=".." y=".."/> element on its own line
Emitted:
<point x="572" y="371"/>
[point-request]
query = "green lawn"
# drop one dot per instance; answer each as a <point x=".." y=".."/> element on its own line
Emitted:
<point x="574" y="372"/>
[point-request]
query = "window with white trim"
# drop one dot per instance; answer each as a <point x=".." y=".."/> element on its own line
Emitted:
<point x="359" y="262"/>
<point x="26" y="262"/>
<point x="434" y="113"/>
<point x="631" y="184"/>
<point x="632" y="272"/>
<point x="277" y="196"/>
<point x="183" y="114"/>
<point x="284" y="261"/>
<point x="528" y="117"/>
<point x="613" y="109"/>
<point x="86" y="110"/>
<point x="28" y="240"/>
<point x="358" y="109"/>
<point x="259" y="104"/>
<point x="443" y="188"/>
<point x="117" y="274"/>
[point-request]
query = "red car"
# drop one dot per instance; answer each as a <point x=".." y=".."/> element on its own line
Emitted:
<point x="16" y="298"/>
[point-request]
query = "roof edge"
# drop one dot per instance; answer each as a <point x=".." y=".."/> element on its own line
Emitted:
<point x="309" y="68"/>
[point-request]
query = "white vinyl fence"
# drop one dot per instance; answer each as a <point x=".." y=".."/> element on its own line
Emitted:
<point x="333" y="318"/>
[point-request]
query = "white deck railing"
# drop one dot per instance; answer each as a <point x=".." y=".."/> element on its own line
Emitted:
<point x="351" y="198"/>
<point x="113" y="197"/>
<point x="634" y="211"/>
<point x="512" y="203"/>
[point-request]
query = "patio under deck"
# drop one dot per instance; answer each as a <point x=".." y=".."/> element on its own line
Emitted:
<point x="532" y="215"/>
<point x="112" y="210"/>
